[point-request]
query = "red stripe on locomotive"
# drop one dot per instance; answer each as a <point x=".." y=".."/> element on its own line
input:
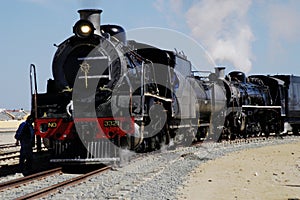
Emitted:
<point x="61" y="129"/>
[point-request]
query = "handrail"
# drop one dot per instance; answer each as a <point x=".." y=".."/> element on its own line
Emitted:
<point x="33" y="75"/>
<point x="34" y="104"/>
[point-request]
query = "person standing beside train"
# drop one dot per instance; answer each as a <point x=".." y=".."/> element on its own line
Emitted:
<point x="25" y="134"/>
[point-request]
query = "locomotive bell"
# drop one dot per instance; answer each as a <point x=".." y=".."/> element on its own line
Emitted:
<point x="93" y="16"/>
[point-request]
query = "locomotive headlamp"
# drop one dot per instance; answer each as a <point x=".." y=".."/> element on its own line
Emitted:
<point x="83" y="29"/>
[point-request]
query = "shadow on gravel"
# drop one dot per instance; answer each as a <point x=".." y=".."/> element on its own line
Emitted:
<point x="8" y="170"/>
<point x="40" y="163"/>
<point x="81" y="169"/>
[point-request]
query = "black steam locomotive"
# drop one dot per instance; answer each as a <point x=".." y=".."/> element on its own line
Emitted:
<point x="109" y="94"/>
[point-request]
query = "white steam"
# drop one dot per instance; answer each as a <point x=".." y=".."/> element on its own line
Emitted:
<point x="222" y="27"/>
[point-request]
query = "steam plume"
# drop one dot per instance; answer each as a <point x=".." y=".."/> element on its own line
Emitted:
<point x="222" y="27"/>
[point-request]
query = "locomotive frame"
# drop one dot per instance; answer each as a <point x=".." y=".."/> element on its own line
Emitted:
<point x="109" y="95"/>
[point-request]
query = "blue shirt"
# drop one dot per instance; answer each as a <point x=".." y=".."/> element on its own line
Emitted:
<point x="25" y="135"/>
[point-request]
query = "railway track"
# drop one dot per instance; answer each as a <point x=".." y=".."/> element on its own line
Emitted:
<point x="14" y="154"/>
<point x="18" y="182"/>
<point x="158" y="173"/>
<point x="136" y="175"/>
<point x="6" y="149"/>
<point x="3" y="146"/>
<point x="43" y="183"/>
<point x="10" y="152"/>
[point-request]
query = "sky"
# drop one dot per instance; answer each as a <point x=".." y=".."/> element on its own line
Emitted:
<point x="254" y="36"/>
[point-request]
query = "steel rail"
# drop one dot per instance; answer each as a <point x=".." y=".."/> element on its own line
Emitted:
<point x="51" y="189"/>
<point x="26" y="179"/>
<point x="8" y="158"/>
<point x="9" y="152"/>
<point x="8" y="145"/>
<point x="10" y="155"/>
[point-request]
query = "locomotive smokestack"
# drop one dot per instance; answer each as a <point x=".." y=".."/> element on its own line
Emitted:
<point x="220" y="72"/>
<point x="92" y="15"/>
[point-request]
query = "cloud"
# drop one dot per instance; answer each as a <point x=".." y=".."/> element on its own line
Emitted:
<point x="222" y="27"/>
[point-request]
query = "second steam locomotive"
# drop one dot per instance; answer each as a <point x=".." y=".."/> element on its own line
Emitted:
<point x="109" y="94"/>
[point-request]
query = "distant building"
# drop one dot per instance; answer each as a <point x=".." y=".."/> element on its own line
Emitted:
<point x="6" y="115"/>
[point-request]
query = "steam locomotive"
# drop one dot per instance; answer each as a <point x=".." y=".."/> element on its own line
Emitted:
<point x="109" y="94"/>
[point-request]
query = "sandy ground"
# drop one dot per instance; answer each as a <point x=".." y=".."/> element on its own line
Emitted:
<point x="7" y="130"/>
<point x="10" y="125"/>
<point x="7" y="137"/>
<point x="271" y="172"/>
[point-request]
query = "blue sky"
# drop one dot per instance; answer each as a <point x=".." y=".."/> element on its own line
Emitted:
<point x="256" y="36"/>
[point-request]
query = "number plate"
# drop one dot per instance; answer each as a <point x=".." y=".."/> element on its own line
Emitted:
<point x="111" y="123"/>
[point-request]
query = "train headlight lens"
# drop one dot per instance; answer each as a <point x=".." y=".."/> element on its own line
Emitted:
<point x="83" y="29"/>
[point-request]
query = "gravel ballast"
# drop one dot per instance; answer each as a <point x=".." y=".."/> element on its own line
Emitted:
<point x="156" y="176"/>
